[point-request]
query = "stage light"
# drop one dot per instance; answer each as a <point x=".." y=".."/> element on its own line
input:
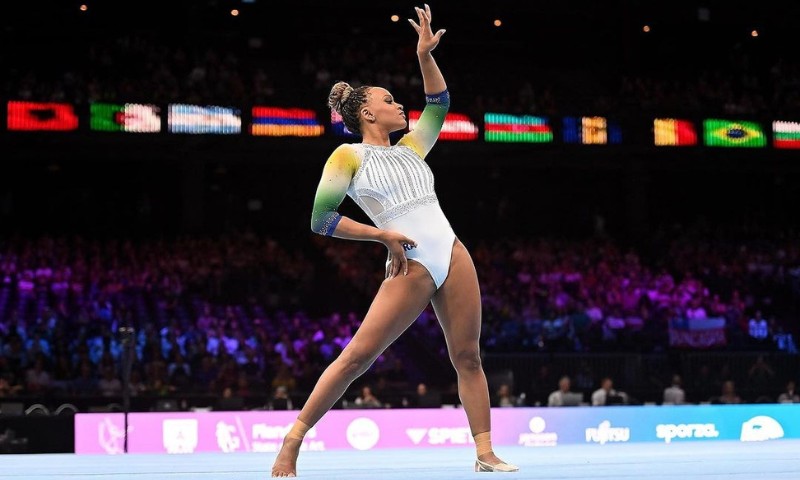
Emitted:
<point x="84" y="8"/>
<point x="754" y="33"/>
<point x="235" y="12"/>
<point x="395" y="18"/>
<point x="646" y="29"/>
<point x="497" y="22"/>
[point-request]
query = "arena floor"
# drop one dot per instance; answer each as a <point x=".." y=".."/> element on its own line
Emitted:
<point x="706" y="460"/>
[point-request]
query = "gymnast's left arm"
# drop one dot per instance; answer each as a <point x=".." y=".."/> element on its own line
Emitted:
<point x="437" y="98"/>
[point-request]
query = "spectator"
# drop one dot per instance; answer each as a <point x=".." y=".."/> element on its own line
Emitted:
<point x="424" y="398"/>
<point x="674" y="394"/>
<point x="7" y="386"/>
<point x="760" y="377"/>
<point x="728" y="395"/>
<point x="789" y="395"/>
<point x="230" y="401"/>
<point x="137" y="386"/>
<point x="606" y="395"/>
<point x="280" y="400"/>
<point x="86" y="383"/>
<point x="37" y="379"/>
<point x="564" y="396"/>
<point x="367" y="400"/>
<point x="504" y="397"/>
<point x="284" y="378"/>
<point x="109" y="385"/>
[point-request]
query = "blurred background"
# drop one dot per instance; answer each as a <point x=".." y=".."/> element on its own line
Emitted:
<point x="637" y="220"/>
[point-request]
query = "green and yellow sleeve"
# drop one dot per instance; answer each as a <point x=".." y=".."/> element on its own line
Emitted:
<point x="336" y="175"/>
<point x="427" y="129"/>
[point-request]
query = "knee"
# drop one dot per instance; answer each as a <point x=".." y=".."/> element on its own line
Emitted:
<point x="354" y="362"/>
<point x="467" y="360"/>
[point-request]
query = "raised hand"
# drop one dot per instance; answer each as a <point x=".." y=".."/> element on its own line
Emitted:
<point x="427" y="39"/>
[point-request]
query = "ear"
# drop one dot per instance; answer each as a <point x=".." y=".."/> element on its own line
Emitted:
<point x="368" y="115"/>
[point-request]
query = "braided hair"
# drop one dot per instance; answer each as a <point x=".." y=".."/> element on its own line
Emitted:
<point x="347" y="102"/>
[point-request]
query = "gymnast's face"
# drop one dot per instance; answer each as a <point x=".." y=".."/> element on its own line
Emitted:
<point x="382" y="110"/>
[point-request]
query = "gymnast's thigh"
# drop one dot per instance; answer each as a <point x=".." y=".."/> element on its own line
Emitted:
<point x="396" y="305"/>
<point x="457" y="303"/>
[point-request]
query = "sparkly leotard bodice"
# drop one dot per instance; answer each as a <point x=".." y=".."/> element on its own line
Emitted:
<point x="394" y="186"/>
<point x="391" y="181"/>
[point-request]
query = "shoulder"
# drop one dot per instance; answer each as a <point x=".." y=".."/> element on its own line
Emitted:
<point x="346" y="156"/>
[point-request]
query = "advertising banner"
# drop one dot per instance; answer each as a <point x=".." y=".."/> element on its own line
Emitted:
<point x="365" y="429"/>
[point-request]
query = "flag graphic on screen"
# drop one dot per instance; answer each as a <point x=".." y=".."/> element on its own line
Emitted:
<point x="457" y="126"/>
<point x="500" y="127"/>
<point x="38" y="116"/>
<point x="130" y="117"/>
<point x="285" y="122"/>
<point x="697" y="332"/>
<point x="591" y="131"/>
<point x="730" y="133"/>
<point x="183" y="118"/>
<point x="785" y="134"/>
<point x="338" y="127"/>
<point x="674" y="132"/>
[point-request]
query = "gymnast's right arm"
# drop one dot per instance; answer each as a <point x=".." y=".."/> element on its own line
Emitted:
<point x="332" y="188"/>
<point x="325" y="220"/>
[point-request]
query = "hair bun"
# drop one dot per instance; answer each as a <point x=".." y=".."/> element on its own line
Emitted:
<point x="339" y="94"/>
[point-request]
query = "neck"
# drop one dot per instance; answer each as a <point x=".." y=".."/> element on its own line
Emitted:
<point x="375" y="135"/>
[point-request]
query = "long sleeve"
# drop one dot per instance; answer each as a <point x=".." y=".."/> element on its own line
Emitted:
<point x="336" y="175"/>
<point x="427" y="129"/>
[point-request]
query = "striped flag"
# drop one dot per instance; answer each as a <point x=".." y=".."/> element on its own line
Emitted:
<point x="785" y="134"/>
<point x="41" y="116"/>
<point x="674" y="132"/>
<point x="285" y="122"/>
<point x="591" y="131"/>
<point x="130" y="117"/>
<point x="183" y="118"/>
<point x="733" y="133"/>
<point x="500" y="127"/>
<point x="697" y="332"/>
<point x="457" y="126"/>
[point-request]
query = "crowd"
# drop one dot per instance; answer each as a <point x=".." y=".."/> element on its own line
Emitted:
<point x="214" y="314"/>
<point x="242" y="71"/>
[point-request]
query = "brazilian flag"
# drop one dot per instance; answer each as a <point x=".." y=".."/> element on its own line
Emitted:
<point x="733" y="133"/>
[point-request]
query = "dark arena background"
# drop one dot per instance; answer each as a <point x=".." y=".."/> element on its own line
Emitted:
<point x="625" y="175"/>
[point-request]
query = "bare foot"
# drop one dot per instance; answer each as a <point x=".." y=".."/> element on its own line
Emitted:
<point x="286" y="463"/>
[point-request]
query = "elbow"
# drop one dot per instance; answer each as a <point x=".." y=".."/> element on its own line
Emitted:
<point x="327" y="225"/>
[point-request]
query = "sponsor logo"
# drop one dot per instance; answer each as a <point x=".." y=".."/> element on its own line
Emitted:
<point x="230" y="438"/>
<point x="416" y="434"/>
<point x="761" y="428"/>
<point x="111" y="436"/>
<point x="605" y="433"/>
<point x="441" y="436"/>
<point x="670" y="431"/>
<point x="538" y="436"/>
<point x="263" y="431"/>
<point x="268" y="438"/>
<point x="363" y="433"/>
<point x="180" y="435"/>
